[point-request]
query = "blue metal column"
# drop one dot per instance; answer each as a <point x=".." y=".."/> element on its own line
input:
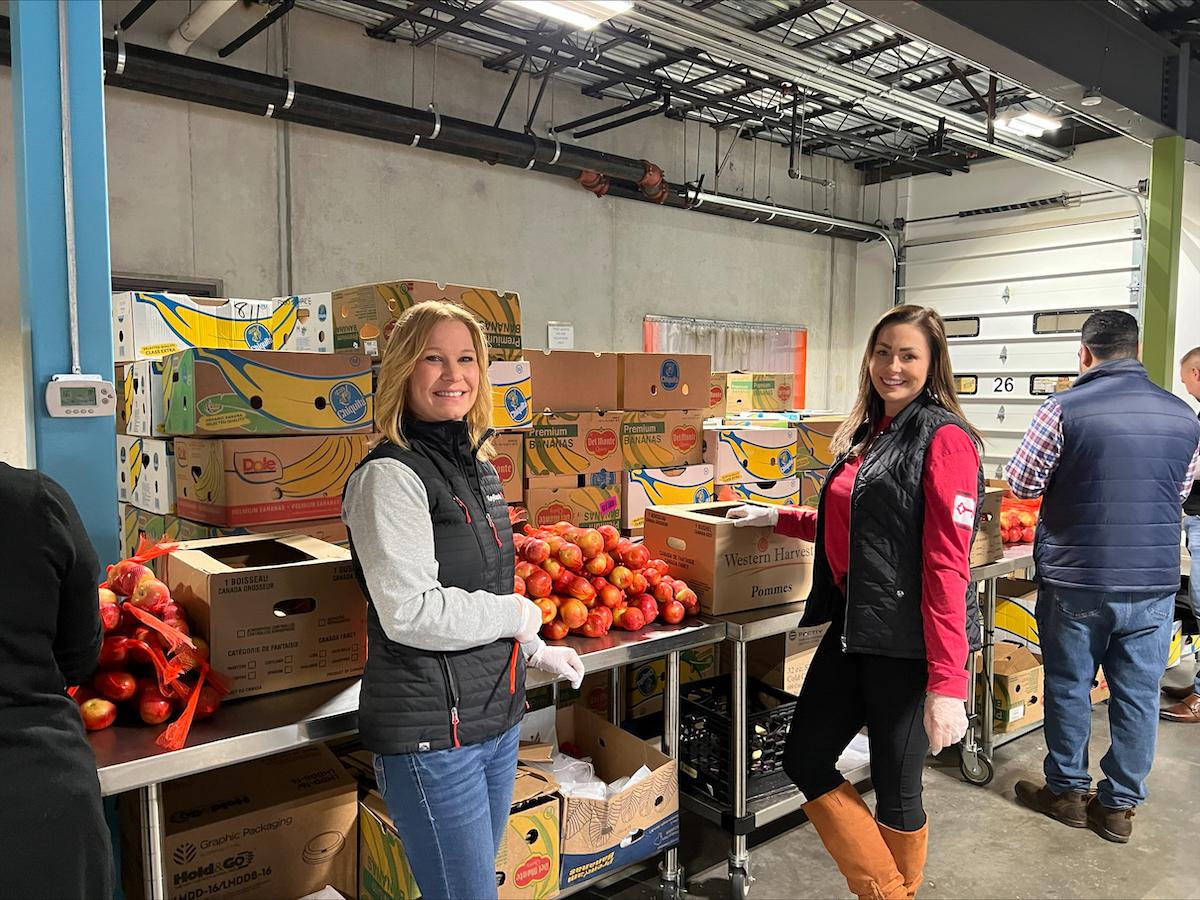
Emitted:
<point x="79" y="453"/>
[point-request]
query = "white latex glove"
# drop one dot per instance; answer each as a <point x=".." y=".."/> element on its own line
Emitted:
<point x="945" y="721"/>
<point x="531" y="620"/>
<point x="746" y="516"/>
<point x="562" y="661"/>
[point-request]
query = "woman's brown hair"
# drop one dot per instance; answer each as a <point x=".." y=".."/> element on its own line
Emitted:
<point x="404" y="349"/>
<point x="939" y="387"/>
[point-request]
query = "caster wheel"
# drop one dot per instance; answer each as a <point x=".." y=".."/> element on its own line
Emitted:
<point x="739" y="884"/>
<point x="977" y="769"/>
<point x="669" y="890"/>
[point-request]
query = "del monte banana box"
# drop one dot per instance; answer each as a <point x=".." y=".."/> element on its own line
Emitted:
<point x="572" y="443"/>
<point x="586" y="507"/>
<point x="783" y="492"/>
<point x="149" y="325"/>
<point x="742" y="455"/>
<point x="364" y="315"/>
<point x="660" y="440"/>
<point x="257" y="481"/>
<point x="662" y="487"/>
<point x="509" y="463"/>
<point x="245" y="392"/>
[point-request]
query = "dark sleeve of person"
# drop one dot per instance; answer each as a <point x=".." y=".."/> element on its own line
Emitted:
<point x="77" y="641"/>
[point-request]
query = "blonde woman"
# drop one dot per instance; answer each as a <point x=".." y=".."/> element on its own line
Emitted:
<point x="892" y="577"/>
<point x="448" y="640"/>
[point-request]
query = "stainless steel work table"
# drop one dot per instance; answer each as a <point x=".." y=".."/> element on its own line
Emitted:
<point x="127" y="758"/>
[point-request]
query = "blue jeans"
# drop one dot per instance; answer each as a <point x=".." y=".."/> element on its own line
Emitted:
<point x="1191" y="530"/>
<point x="450" y="808"/>
<point x="1130" y="635"/>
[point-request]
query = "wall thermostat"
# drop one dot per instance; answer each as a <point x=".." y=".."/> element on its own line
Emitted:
<point x="80" y="395"/>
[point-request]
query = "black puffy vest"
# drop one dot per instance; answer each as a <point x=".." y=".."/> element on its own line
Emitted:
<point x="409" y="696"/>
<point x="887" y="515"/>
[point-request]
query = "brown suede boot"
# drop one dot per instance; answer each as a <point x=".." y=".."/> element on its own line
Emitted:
<point x="848" y="831"/>
<point x="908" y="850"/>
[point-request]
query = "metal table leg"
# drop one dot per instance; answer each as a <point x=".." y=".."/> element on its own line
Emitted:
<point x="739" y="857"/>
<point x="614" y="699"/>
<point x="154" y="875"/>
<point x="989" y="665"/>
<point x="671" y="876"/>
<point x="976" y="766"/>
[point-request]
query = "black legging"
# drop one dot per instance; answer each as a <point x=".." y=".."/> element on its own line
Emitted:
<point x="845" y="691"/>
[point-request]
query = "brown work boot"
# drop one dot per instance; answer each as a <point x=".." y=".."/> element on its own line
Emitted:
<point x="909" y="849"/>
<point x="1070" y="807"/>
<point x="1179" y="693"/>
<point x="1114" y="825"/>
<point x="1186" y="710"/>
<point x="850" y="834"/>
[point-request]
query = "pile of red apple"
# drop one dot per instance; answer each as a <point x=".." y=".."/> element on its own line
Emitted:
<point x="587" y="580"/>
<point x="150" y="669"/>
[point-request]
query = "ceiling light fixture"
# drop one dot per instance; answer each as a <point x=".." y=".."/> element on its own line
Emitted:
<point x="1029" y="124"/>
<point x="584" y="14"/>
<point x="1091" y="97"/>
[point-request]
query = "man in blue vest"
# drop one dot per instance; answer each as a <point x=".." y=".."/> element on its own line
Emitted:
<point x="1114" y="457"/>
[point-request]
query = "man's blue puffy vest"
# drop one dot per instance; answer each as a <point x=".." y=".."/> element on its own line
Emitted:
<point x="1111" y="516"/>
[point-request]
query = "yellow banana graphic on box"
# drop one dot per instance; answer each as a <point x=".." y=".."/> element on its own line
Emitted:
<point x="751" y="494"/>
<point x="206" y="476"/>
<point x="762" y="463"/>
<point x="1016" y="620"/>
<point x="662" y="492"/>
<point x="324" y="471"/>
<point x="547" y="458"/>
<point x="201" y="327"/>
<point x="133" y="463"/>
<point x="306" y="402"/>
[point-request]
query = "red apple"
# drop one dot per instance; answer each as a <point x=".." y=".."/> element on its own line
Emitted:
<point x="637" y="583"/>
<point x="648" y="606"/>
<point x="665" y="592"/>
<point x="594" y="627"/>
<point x="524" y="569"/>
<point x="672" y="611"/>
<point x="662" y="567"/>
<point x="591" y="542"/>
<point x="106" y="596"/>
<point x="519" y="541"/>
<point x="571" y="557"/>
<point x="555" y="543"/>
<point x="691" y="603"/>
<point x="114" y="651"/>
<point x="549" y="609"/>
<point x="599" y="583"/>
<point x="150" y="594"/>
<point x="611" y="537"/>
<point x="600" y="564"/>
<point x="201" y="651"/>
<point x="539" y="584"/>
<point x="611" y="596"/>
<point x="573" y="613"/>
<point x="623" y="544"/>
<point x="652" y="576"/>
<point x="519" y="585"/>
<point x="536" y="551"/>
<point x="83" y="694"/>
<point x="209" y="702"/>
<point x="678" y="583"/>
<point x="153" y="709"/>
<point x="110" y="617"/>
<point x="621" y="577"/>
<point x="97" y="713"/>
<point x="125" y="575"/>
<point x="605" y="613"/>
<point x="581" y="589"/>
<point x="630" y="618"/>
<point x="636" y="557"/>
<point x="562" y="584"/>
<point x="554" y="631"/>
<point x="561" y="528"/>
<point x="553" y="567"/>
<point x="115" y="685"/>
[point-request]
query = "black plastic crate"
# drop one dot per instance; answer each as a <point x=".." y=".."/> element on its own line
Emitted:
<point x="705" y="751"/>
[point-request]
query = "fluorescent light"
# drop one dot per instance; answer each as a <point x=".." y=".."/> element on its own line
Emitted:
<point x="1029" y="124"/>
<point x="1037" y="120"/>
<point x="585" y="14"/>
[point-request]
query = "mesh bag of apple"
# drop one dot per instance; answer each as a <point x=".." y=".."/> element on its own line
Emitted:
<point x="1018" y="520"/>
<point x="151" y="669"/>
<point x="588" y="580"/>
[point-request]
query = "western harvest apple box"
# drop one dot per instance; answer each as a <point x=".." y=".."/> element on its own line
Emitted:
<point x="642" y="488"/>
<point x="364" y="315"/>
<point x="573" y="380"/>
<point x="149" y="325"/>
<point x="245" y="392"/>
<point x="741" y="455"/>
<point x="573" y="444"/>
<point x="730" y="569"/>
<point x="146" y="473"/>
<point x="660" y="440"/>
<point x="663" y="380"/>
<point x="257" y="481"/>
<point x="278" y="612"/>
<point x="784" y="492"/>
<point x="512" y="394"/>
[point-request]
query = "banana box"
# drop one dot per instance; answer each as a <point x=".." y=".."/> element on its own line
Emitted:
<point x="641" y="488"/>
<point x="758" y="420"/>
<point x="509" y="463"/>
<point x="741" y="455"/>
<point x="811" y="482"/>
<point x="1016" y="603"/>
<point x="149" y="325"/>
<point x="146" y="473"/>
<point x="572" y="444"/>
<point x="246" y="392"/>
<point x="141" y="410"/>
<point x="249" y="482"/>
<point x="123" y="382"/>
<point x="512" y="394"/>
<point x="717" y="383"/>
<point x="663" y="380"/>
<point x="135" y="523"/>
<point x="660" y="440"/>
<point x="784" y="492"/>
<point x="813" y="439"/>
<point x="585" y="507"/>
<point x="1175" y="652"/>
<point x="1017" y="689"/>
<point x="364" y="315"/>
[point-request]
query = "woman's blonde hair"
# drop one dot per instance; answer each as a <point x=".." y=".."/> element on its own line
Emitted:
<point x="939" y="387"/>
<point x="404" y="349"/>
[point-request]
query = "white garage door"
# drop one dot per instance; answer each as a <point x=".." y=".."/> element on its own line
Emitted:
<point x="1014" y="304"/>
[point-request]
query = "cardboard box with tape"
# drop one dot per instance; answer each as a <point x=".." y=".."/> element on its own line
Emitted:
<point x="1017" y="691"/>
<point x="781" y="660"/>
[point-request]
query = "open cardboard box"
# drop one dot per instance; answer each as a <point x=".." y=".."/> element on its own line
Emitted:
<point x="1017" y="695"/>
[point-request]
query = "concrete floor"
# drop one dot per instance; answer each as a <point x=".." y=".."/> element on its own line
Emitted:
<point x="982" y="844"/>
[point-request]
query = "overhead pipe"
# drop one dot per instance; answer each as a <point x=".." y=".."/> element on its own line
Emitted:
<point x="198" y="21"/>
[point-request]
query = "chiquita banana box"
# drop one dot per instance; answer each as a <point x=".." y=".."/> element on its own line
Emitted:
<point x="146" y="473"/>
<point x="248" y="392"/>
<point x="512" y="400"/>
<point x="740" y="455"/>
<point x="248" y="481"/>
<point x="662" y="487"/>
<point x="783" y="492"/>
<point x="659" y="440"/>
<point x="813" y="439"/>
<point x="149" y="325"/>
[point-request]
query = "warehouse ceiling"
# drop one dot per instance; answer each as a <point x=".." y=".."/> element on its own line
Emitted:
<point x="1176" y="20"/>
<point x="812" y="74"/>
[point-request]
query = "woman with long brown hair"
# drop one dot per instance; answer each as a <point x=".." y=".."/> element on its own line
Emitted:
<point x="448" y="640"/>
<point x="893" y="530"/>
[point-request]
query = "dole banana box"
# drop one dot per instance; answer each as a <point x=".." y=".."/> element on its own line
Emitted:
<point x="742" y="455"/>
<point x="149" y="325"/>
<point x="784" y="492"/>
<point x="364" y="315"/>
<point x="512" y="394"/>
<point x="663" y="380"/>
<point x="261" y="481"/>
<point x="813" y="439"/>
<point x="146" y="473"/>
<point x="659" y="440"/>
<point x="585" y="507"/>
<point x="662" y="487"/>
<point x="509" y="462"/>
<point x="246" y="392"/>
<point x="572" y="443"/>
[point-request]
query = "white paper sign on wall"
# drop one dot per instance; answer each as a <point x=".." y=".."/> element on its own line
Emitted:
<point x="560" y="335"/>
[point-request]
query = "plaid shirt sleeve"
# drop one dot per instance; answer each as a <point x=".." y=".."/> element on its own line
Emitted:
<point x="1185" y="489"/>
<point x="1036" y="459"/>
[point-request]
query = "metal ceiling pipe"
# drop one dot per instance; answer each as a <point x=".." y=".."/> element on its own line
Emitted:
<point x="198" y="21"/>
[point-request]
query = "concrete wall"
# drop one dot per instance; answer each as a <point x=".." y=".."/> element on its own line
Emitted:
<point x="195" y="192"/>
